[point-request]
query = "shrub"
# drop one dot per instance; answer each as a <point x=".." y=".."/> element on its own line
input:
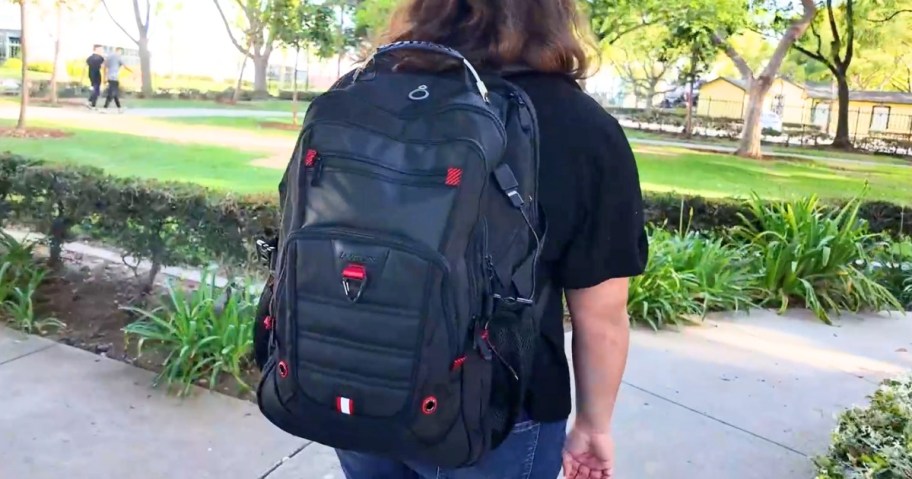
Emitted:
<point x="189" y="225"/>
<point x="41" y="67"/>
<point x="204" y="333"/>
<point x="13" y="64"/>
<point x="873" y="442"/>
<point x="688" y="275"/>
<point x="804" y="252"/>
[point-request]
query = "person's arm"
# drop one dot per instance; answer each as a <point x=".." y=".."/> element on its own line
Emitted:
<point x="601" y="336"/>
<point x="610" y="247"/>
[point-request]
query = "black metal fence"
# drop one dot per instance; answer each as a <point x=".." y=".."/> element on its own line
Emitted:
<point x="875" y="127"/>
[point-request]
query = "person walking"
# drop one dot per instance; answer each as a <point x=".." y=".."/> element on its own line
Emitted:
<point x="406" y="262"/>
<point x="113" y="64"/>
<point x="95" y="61"/>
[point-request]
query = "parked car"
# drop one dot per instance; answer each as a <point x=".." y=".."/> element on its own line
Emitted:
<point x="770" y="121"/>
<point x="9" y="86"/>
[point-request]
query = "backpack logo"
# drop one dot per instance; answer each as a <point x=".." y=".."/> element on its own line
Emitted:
<point x="420" y="93"/>
<point x="357" y="258"/>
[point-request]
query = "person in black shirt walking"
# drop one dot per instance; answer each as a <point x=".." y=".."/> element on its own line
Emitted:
<point x="95" y="61"/>
<point x="590" y="193"/>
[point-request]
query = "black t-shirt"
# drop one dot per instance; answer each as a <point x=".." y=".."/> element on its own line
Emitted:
<point x="589" y="189"/>
<point x="95" y="61"/>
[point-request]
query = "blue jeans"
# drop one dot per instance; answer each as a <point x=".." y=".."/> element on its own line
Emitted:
<point x="532" y="451"/>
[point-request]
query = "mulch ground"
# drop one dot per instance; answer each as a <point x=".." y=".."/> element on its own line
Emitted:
<point x="89" y="296"/>
<point x="33" y="133"/>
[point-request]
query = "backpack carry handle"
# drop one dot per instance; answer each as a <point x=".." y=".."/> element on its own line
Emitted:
<point x="434" y="48"/>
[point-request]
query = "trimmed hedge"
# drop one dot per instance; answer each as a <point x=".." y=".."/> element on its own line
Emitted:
<point x="172" y="224"/>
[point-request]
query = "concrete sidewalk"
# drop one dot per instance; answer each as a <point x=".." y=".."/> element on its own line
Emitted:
<point x="741" y="398"/>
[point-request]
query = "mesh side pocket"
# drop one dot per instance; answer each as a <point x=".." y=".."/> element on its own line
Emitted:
<point x="514" y="335"/>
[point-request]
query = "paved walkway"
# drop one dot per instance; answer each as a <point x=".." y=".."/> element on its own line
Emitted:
<point x="747" y="398"/>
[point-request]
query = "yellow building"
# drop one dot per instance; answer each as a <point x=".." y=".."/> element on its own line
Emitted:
<point x="871" y="113"/>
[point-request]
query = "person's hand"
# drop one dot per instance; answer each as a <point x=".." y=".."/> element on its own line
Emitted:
<point x="588" y="453"/>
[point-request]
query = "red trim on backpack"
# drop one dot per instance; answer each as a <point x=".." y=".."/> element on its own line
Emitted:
<point x="454" y="176"/>
<point x="310" y="158"/>
<point x="345" y="405"/>
<point x="267" y="323"/>
<point x="355" y="272"/>
<point x="429" y="405"/>
<point x="283" y="369"/>
<point x="458" y="363"/>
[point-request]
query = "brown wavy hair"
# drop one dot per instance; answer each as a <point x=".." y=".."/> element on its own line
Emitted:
<point x="544" y="35"/>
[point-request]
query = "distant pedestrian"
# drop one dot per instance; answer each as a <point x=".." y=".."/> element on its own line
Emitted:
<point x="113" y="64"/>
<point x="95" y="62"/>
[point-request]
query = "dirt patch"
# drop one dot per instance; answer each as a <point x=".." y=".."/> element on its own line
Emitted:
<point x="277" y="125"/>
<point x="89" y="296"/>
<point x="33" y="133"/>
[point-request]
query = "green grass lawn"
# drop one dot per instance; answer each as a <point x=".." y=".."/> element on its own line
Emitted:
<point x="662" y="169"/>
<point x="126" y="155"/>
<point x="714" y="175"/>
<point x="821" y="152"/>
<point x="242" y="123"/>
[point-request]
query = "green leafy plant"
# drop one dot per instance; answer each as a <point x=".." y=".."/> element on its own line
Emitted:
<point x="688" y="275"/>
<point x="20" y="277"/>
<point x="805" y="253"/>
<point x="891" y="267"/>
<point x="20" y="306"/>
<point x="203" y="332"/>
<point x="873" y="442"/>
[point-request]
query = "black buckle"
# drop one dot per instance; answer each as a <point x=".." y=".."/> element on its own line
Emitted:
<point x="507" y="182"/>
<point x="266" y="250"/>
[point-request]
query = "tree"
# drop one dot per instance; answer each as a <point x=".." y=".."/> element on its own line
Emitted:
<point x="691" y="40"/>
<point x="298" y="24"/>
<point x="643" y="63"/>
<point x="373" y="17"/>
<point x="142" y="17"/>
<point x="781" y="21"/>
<point x="612" y="20"/>
<point x="23" y="54"/>
<point x="58" y="11"/>
<point x="837" y="32"/>
<point x="259" y="38"/>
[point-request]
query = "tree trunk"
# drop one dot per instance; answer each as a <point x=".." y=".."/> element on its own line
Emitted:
<point x="294" y="89"/>
<point x="145" y="64"/>
<point x="750" y="137"/>
<point x="688" y="122"/>
<point x="842" y="140"/>
<point x="650" y="96"/>
<point x="260" y="68"/>
<point x="240" y="83"/>
<point x="23" y="54"/>
<point x="307" y="69"/>
<point x="54" y="70"/>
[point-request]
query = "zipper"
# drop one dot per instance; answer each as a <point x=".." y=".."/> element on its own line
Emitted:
<point x="370" y="169"/>
<point x="471" y="143"/>
<point x="416" y="249"/>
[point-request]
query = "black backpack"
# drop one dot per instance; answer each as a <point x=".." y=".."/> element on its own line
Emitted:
<point x="401" y="319"/>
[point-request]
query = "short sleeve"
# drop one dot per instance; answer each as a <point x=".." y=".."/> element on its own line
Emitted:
<point x="610" y="240"/>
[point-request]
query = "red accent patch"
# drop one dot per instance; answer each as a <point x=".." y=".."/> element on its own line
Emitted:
<point x="454" y="176"/>
<point x="485" y="334"/>
<point x="283" y="369"/>
<point x="458" y="363"/>
<point x="310" y="158"/>
<point x="355" y="272"/>
<point x="267" y="323"/>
